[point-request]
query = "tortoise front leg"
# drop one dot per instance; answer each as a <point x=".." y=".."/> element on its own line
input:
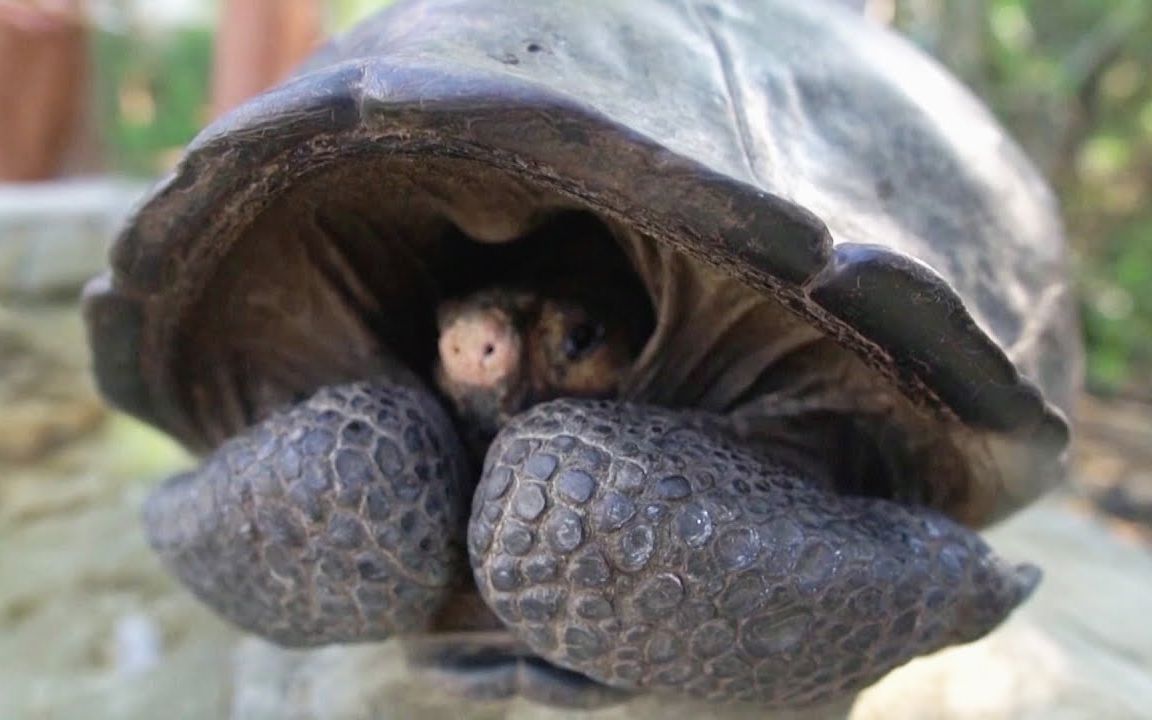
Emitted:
<point x="336" y="521"/>
<point x="648" y="549"/>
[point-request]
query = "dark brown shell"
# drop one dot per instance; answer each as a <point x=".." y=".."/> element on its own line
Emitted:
<point x="795" y="145"/>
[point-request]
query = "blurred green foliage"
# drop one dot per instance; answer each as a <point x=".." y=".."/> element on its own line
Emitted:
<point x="344" y="13"/>
<point x="1071" y="78"/>
<point x="152" y="86"/>
<point x="152" y="94"/>
<point x="1073" y="81"/>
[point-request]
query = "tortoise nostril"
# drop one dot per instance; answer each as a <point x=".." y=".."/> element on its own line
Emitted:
<point x="479" y="349"/>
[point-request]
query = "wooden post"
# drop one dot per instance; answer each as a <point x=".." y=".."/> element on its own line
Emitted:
<point x="258" y="42"/>
<point x="43" y="85"/>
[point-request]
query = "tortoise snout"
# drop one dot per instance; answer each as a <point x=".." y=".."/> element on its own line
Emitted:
<point x="480" y="349"/>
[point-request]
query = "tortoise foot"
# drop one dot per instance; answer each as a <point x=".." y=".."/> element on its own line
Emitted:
<point x="649" y="550"/>
<point x="336" y="521"/>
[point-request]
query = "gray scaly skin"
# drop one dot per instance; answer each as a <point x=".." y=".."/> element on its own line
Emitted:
<point x="339" y="520"/>
<point x="645" y="548"/>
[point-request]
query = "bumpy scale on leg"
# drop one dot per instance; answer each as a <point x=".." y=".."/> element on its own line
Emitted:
<point x="336" y="521"/>
<point x="647" y="550"/>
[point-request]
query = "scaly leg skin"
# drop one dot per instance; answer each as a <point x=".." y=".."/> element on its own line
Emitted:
<point x="338" y="520"/>
<point x="648" y="550"/>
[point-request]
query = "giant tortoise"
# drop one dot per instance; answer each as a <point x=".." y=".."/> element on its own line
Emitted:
<point x="600" y="347"/>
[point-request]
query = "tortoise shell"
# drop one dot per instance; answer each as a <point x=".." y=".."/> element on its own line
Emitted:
<point x="791" y="157"/>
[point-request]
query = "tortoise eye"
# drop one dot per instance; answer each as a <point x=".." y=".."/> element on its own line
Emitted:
<point x="582" y="338"/>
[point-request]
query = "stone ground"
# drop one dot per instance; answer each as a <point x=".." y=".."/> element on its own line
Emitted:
<point x="90" y="626"/>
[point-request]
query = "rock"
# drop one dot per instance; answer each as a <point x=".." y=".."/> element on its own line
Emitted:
<point x="1080" y="648"/>
<point x="45" y="389"/>
<point x="55" y="235"/>
<point x="75" y="578"/>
